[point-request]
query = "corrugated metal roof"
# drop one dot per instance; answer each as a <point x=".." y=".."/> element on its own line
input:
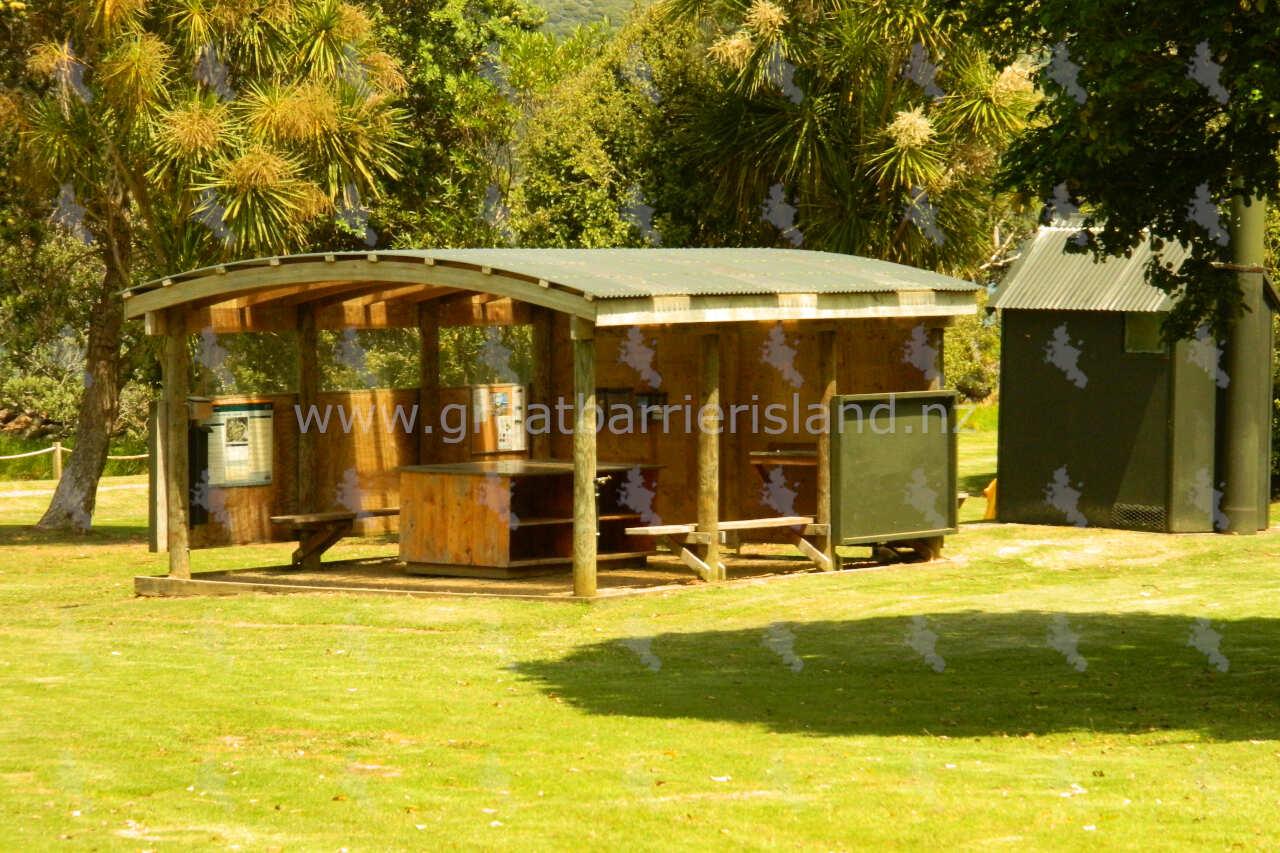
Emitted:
<point x="622" y="273"/>
<point x="1047" y="278"/>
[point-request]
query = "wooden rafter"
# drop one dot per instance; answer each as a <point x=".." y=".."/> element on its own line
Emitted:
<point x="387" y="271"/>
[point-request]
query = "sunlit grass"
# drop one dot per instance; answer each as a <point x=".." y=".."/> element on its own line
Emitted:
<point x="323" y="722"/>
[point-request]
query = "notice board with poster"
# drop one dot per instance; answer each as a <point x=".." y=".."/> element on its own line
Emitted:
<point x="498" y="419"/>
<point x="240" y="444"/>
<point x="893" y="466"/>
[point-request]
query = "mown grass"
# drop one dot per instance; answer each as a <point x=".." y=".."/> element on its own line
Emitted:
<point x="789" y="714"/>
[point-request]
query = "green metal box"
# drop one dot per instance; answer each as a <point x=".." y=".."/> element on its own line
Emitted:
<point x="893" y="466"/>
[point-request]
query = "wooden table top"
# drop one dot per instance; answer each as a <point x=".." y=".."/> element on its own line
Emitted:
<point x="803" y="458"/>
<point x="519" y="468"/>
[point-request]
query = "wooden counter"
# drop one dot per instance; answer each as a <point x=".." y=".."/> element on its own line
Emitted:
<point x="509" y="518"/>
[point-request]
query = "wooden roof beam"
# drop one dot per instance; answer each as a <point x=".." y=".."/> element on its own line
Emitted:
<point x="390" y="270"/>
<point x="373" y="293"/>
<point x="285" y="297"/>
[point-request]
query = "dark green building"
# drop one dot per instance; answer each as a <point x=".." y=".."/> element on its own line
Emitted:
<point x="1101" y="424"/>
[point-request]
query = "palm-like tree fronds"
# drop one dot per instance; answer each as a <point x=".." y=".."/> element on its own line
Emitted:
<point x="134" y="74"/>
<point x="262" y="197"/>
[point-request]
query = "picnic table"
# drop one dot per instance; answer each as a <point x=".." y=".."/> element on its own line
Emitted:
<point x="317" y="532"/>
<point x="678" y="537"/>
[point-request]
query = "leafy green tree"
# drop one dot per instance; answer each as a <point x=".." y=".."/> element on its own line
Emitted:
<point x="566" y="183"/>
<point x="599" y="153"/>
<point x="1157" y="115"/>
<point x="176" y="132"/>
<point x="459" y="123"/>
<point x="43" y="312"/>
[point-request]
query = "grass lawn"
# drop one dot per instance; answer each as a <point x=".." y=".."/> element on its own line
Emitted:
<point x="810" y="712"/>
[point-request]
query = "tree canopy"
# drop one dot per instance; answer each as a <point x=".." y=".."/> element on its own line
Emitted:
<point x="1157" y="115"/>
<point x="172" y="133"/>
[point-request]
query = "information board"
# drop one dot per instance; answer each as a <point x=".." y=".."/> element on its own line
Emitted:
<point x="893" y="466"/>
<point x="498" y="419"/>
<point x="240" y="444"/>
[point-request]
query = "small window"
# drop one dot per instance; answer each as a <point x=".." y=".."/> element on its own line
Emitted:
<point x="1142" y="333"/>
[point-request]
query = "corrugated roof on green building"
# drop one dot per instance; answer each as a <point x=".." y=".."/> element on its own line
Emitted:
<point x="1048" y="278"/>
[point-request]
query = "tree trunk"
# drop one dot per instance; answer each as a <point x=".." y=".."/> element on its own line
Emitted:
<point x="77" y="492"/>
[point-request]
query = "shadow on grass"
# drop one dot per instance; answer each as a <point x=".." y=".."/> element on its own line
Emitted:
<point x="105" y="534"/>
<point x="998" y="676"/>
<point x="975" y="483"/>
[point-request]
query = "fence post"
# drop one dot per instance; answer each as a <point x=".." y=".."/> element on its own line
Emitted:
<point x="57" y="460"/>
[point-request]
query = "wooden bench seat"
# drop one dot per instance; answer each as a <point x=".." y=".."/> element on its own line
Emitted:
<point x="317" y="532"/>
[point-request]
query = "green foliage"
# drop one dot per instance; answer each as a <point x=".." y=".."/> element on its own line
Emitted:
<point x="458" y="124"/>
<point x="251" y="363"/>
<point x="813" y="101"/>
<point x="41" y="467"/>
<point x="224" y="130"/>
<point x="46" y="297"/>
<point x="462" y="359"/>
<point x="1138" y="136"/>
<point x="43" y="306"/>
<point x="356" y="359"/>
<point x="567" y="186"/>
<point x="599" y="134"/>
<point x="368" y="358"/>
<point x="971" y="356"/>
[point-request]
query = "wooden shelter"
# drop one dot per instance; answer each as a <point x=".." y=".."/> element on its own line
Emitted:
<point x="722" y="333"/>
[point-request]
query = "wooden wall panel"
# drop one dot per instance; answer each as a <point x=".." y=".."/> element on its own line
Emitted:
<point x="368" y="455"/>
<point x="373" y="454"/>
<point x="872" y="358"/>
<point x="247" y="509"/>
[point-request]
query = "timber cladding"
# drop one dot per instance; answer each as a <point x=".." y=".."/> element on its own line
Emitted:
<point x="356" y="465"/>
<point x="872" y="357"/>
<point x="760" y="364"/>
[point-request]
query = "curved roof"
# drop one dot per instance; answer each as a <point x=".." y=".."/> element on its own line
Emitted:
<point x="608" y="286"/>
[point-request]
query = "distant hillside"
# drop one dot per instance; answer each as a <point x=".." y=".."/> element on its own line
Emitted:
<point x="564" y="15"/>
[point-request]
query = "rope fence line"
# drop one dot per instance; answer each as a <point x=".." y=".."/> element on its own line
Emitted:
<point x="57" y="450"/>
<point x="25" y="455"/>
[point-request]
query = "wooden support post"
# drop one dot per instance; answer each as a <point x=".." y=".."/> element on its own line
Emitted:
<point x="428" y="384"/>
<point x="176" y="367"/>
<point x="682" y="552"/>
<point x="732" y="458"/>
<point x="157" y="509"/>
<point x="709" y="426"/>
<point x="936" y="335"/>
<point x="308" y="389"/>
<point x="828" y="365"/>
<point x="540" y="390"/>
<point x="57" y="460"/>
<point x="584" y="458"/>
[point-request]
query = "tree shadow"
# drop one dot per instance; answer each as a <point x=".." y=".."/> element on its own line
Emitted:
<point x="993" y="674"/>
<point x="975" y="483"/>
<point x="104" y="534"/>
